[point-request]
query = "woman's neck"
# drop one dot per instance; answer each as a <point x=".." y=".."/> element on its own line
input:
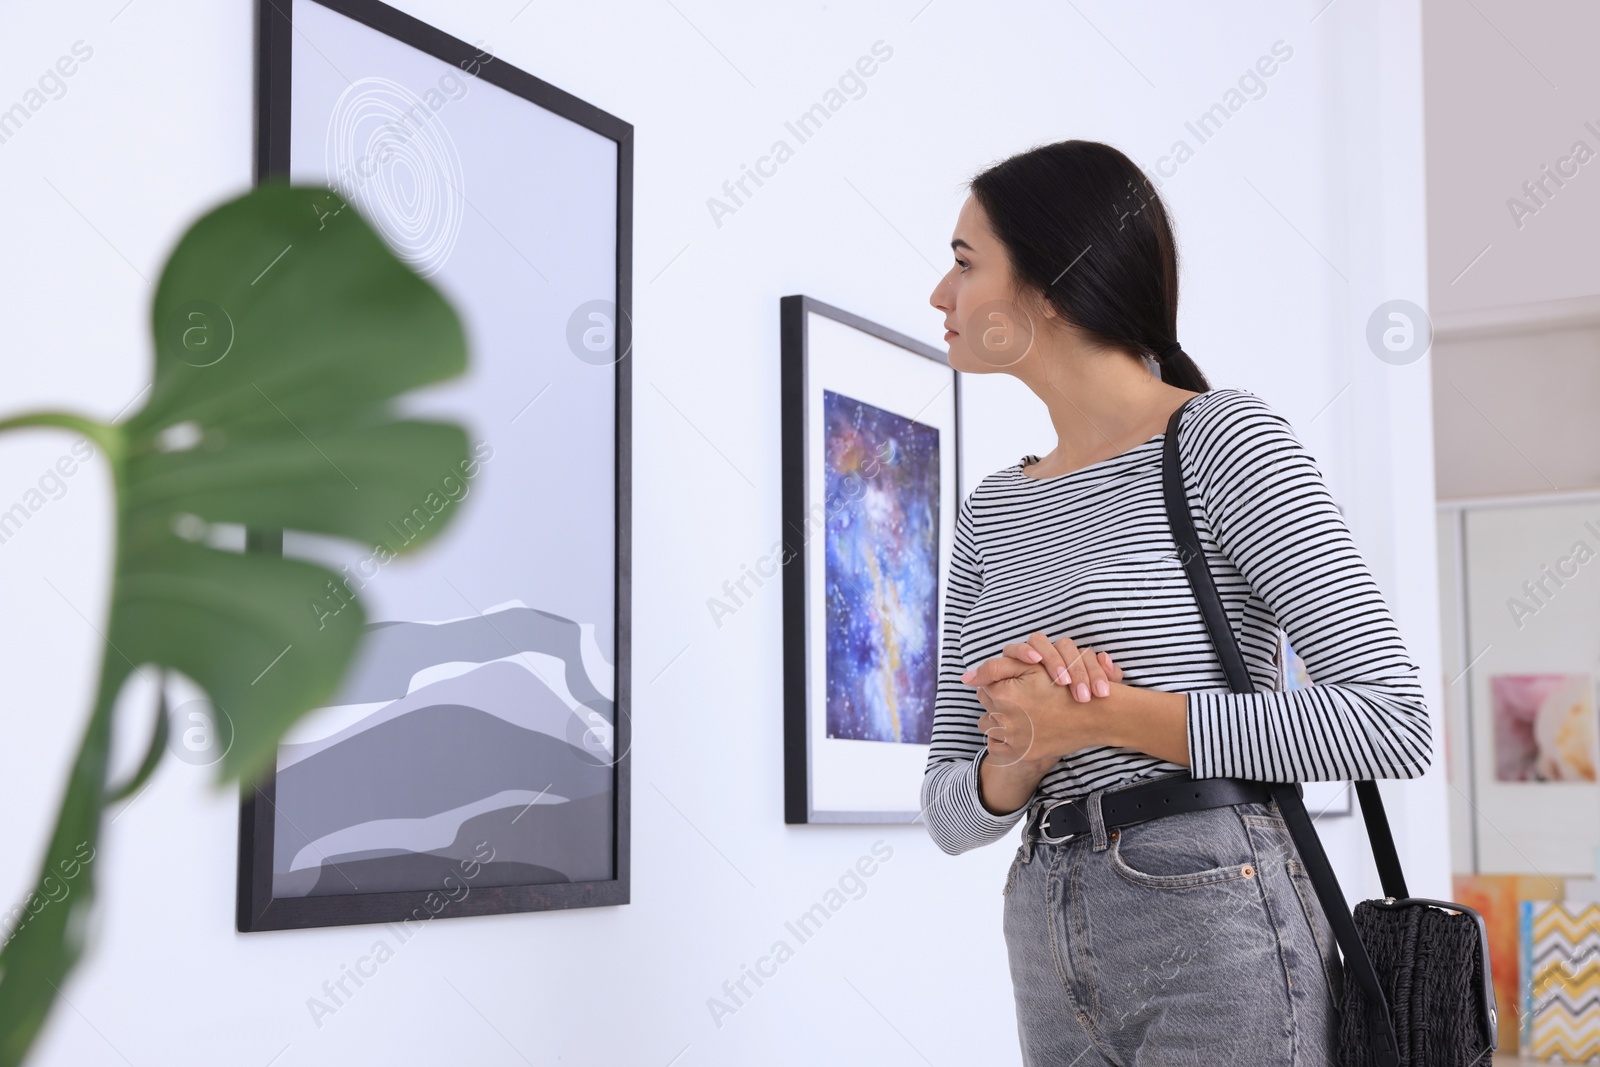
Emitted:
<point x="1102" y="403"/>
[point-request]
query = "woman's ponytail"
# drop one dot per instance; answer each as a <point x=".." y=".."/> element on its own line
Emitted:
<point x="1177" y="369"/>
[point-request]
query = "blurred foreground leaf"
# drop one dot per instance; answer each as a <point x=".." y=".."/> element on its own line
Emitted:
<point x="284" y="329"/>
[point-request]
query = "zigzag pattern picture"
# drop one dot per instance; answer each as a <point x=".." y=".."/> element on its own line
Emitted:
<point x="1560" y="981"/>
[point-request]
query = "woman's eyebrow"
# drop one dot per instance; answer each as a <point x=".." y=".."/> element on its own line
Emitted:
<point x="958" y="243"/>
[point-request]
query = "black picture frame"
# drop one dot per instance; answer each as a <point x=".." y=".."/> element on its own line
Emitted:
<point x="257" y="909"/>
<point x="800" y="705"/>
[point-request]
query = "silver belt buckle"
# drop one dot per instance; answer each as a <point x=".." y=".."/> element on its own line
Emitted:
<point x="1044" y="814"/>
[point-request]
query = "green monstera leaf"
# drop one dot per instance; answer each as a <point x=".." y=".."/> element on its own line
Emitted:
<point x="285" y="330"/>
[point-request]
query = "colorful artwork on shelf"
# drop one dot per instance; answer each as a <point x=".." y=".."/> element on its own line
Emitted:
<point x="1560" y="1016"/>
<point x="1497" y="897"/>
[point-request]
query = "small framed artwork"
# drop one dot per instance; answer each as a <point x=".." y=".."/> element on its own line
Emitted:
<point x="1324" y="800"/>
<point x="871" y="460"/>
<point x="475" y="759"/>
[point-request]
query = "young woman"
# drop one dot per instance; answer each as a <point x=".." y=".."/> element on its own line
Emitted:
<point x="1163" y="914"/>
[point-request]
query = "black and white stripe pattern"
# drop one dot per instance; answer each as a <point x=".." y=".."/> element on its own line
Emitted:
<point x="1089" y="554"/>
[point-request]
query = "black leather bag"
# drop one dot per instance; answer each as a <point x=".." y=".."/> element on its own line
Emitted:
<point x="1417" y="988"/>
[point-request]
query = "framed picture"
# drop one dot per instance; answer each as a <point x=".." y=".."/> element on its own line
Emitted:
<point x="476" y="757"/>
<point x="1544" y="727"/>
<point x="871" y="461"/>
<point x="1322" y="799"/>
<point x="1526" y="659"/>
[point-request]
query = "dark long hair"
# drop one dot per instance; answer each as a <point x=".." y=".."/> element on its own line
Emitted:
<point x="1087" y="230"/>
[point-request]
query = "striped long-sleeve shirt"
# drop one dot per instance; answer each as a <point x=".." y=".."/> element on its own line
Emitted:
<point x="1089" y="555"/>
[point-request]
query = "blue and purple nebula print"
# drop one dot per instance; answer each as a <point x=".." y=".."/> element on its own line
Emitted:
<point x="881" y="489"/>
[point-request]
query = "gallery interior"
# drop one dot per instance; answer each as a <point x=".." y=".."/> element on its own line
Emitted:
<point x="443" y="626"/>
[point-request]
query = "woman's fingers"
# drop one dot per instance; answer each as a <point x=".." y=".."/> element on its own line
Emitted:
<point x="1049" y="657"/>
<point x="997" y="669"/>
<point x="1009" y="734"/>
<point x="1086" y="673"/>
<point x="1092" y="672"/>
<point x="1099" y="680"/>
<point x="1037" y="648"/>
<point x="990" y="722"/>
<point x="1023" y="650"/>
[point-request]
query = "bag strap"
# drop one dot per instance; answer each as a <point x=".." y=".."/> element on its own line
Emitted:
<point x="1383" y="850"/>
<point x="1287" y="794"/>
<point x="1181" y="520"/>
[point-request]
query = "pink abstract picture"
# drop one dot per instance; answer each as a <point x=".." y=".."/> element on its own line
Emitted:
<point x="1544" y="727"/>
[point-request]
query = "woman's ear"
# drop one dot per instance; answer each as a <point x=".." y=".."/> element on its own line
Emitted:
<point x="1032" y="303"/>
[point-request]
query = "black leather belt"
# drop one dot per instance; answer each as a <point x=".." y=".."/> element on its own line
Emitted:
<point x="1168" y="795"/>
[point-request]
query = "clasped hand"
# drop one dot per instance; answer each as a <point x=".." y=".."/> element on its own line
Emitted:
<point x="1035" y="696"/>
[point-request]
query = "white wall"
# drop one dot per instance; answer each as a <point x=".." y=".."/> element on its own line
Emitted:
<point x="1507" y="96"/>
<point x="1514" y="403"/>
<point x="1515" y="283"/>
<point x="1296" y="219"/>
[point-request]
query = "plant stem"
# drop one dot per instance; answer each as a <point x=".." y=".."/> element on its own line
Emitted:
<point x="45" y="942"/>
<point x="42" y="950"/>
<point x="108" y="436"/>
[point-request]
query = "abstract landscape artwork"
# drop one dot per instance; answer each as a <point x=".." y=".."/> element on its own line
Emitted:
<point x="475" y="759"/>
<point x="483" y="738"/>
<point x="882" y="573"/>
<point x="871" y="487"/>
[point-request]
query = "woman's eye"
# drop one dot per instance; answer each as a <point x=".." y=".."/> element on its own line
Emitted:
<point x="962" y="264"/>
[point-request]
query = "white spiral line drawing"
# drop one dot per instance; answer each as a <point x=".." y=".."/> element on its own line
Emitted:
<point x="389" y="154"/>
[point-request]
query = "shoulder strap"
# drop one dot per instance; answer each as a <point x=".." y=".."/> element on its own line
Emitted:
<point x="1287" y="794"/>
<point x="1192" y="555"/>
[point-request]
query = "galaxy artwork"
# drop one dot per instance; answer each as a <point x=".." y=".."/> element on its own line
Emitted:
<point x="870" y="500"/>
<point x="882" y="572"/>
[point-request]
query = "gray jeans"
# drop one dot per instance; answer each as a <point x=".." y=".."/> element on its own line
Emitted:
<point x="1194" y="938"/>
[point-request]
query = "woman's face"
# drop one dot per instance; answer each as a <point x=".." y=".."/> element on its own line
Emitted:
<point x="985" y="327"/>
